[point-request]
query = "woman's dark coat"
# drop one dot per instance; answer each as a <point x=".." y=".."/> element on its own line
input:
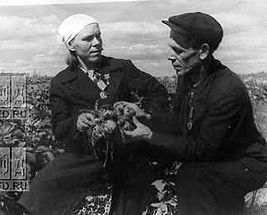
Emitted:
<point x="64" y="182"/>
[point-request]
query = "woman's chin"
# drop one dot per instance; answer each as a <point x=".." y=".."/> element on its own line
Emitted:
<point x="94" y="59"/>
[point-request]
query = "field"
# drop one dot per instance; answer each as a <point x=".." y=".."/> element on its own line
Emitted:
<point x="35" y="133"/>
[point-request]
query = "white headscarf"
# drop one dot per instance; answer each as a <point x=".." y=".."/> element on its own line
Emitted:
<point x="72" y="25"/>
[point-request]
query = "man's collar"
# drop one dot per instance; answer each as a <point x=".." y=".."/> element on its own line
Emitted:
<point x="208" y="68"/>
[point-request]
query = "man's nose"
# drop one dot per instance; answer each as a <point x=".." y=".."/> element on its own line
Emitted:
<point x="171" y="58"/>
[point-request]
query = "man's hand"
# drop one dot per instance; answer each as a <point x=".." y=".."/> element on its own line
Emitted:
<point x="138" y="111"/>
<point x="85" y="120"/>
<point x="141" y="132"/>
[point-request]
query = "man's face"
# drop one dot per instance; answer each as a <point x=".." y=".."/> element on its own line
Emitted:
<point x="183" y="59"/>
<point x="88" y="44"/>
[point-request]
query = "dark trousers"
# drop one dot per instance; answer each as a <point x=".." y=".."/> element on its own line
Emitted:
<point x="217" y="188"/>
<point x="63" y="183"/>
<point x="130" y="188"/>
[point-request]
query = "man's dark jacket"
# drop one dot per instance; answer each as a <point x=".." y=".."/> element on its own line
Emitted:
<point x="212" y="130"/>
<point x="222" y="124"/>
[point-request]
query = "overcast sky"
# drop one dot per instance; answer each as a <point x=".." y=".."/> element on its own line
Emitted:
<point x="130" y="30"/>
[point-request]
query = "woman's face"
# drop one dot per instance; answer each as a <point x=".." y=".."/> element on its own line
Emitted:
<point x="88" y="44"/>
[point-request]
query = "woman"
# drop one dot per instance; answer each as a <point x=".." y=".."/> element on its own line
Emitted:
<point x="89" y="79"/>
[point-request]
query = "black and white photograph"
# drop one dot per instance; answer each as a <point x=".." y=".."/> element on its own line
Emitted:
<point x="133" y="107"/>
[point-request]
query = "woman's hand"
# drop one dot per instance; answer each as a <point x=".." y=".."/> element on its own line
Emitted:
<point x="85" y="120"/>
<point x="142" y="132"/>
<point x="139" y="113"/>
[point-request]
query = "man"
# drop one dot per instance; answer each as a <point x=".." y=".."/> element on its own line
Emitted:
<point x="211" y="129"/>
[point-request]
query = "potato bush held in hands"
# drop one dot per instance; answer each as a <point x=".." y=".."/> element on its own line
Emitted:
<point x="108" y="130"/>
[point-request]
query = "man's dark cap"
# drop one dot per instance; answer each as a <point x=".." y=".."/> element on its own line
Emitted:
<point x="198" y="25"/>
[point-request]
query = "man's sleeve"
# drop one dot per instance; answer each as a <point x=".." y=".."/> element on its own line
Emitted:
<point x="223" y="114"/>
<point x="166" y="122"/>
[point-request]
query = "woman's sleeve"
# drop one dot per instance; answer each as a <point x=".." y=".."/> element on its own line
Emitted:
<point x="64" y="118"/>
<point x="154" y="93"/>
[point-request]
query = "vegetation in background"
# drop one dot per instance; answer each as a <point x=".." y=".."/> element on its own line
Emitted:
<point x="35" y="132"/>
